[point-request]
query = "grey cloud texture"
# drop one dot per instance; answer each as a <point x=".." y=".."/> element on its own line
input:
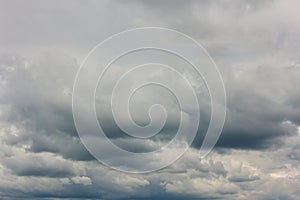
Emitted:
<point x="255" y="44"/>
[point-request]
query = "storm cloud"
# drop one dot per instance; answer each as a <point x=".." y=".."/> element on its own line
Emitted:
<point x="254" y="43"/>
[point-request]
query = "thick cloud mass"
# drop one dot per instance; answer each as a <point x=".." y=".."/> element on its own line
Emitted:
<point x="254" y="43"/>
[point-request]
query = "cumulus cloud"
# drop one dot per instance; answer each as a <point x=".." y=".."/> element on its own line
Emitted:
<point x="237" y="175"/>
<point x="255" y="46"/>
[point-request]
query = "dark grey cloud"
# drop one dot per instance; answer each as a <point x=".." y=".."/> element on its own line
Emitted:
<point x="255" y="44"/>
<point x="260" y="107"/>
<point x="42" y="113"/>
<point x="68" y="147"/>
<point x="47" y="113"/>
<point x="37" y="166"/>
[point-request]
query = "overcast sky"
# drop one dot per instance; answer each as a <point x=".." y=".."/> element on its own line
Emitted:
<point x="256" y="46"/>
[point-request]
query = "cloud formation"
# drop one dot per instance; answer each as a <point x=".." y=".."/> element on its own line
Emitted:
<point x="255" y="44"/>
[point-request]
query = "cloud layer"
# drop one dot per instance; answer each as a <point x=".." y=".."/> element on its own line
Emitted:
<point x="253" y="42"/>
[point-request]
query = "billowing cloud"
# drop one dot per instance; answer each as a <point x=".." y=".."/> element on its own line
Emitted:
<point x="255" y="44"/>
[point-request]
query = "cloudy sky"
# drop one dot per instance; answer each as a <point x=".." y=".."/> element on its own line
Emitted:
<point x="256" y="46"/>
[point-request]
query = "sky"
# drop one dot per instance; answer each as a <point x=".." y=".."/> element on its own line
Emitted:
<point x="255" y="44"/>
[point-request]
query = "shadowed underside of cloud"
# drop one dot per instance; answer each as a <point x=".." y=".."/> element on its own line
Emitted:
<point x="37" y="101"/>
